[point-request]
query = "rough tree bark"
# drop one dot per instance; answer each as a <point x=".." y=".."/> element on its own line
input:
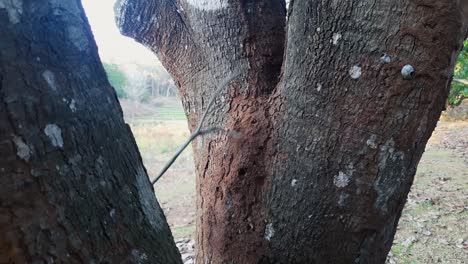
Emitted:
<point x="73" y="188"/>
<point x="326" y="132"/>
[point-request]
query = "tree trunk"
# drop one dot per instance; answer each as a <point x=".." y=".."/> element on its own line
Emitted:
<point x="325" y="121"/>
<point x="73" y="188"/>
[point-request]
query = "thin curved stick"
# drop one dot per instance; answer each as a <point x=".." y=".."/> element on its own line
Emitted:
<point x="199" y="130"/>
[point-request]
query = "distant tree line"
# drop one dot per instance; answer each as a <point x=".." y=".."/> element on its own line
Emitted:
<point x="459" y="89"/>
<point x="140" y="82"/>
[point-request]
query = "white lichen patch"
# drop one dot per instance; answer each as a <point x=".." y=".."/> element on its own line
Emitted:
<point x="14" y="9"/>
<point x="392" y="171"/>
<point x="341" y="180"/>
<point x="319" y="87"/>
<point x="342" y="199"/>
<point x="228" y="202"/>
<point x="148" y="201"/>
<point x="78" y="38"/>
<point x="385" y="59"/>
<point x="208" y="5"/>
<point x="55" y="135"/>
<point x="73" y="105"/>
<point x="139" y="257"/>
<point x="293" y="182"/>
<point x="355" y="72"/>
<point x="269" y="231"/>
<point x="49" y="77"/>
<point x="112" y="213"/>
<point x="22" y="149"/>
<point x="335" y="38"/>
<point x="371" y="142"/>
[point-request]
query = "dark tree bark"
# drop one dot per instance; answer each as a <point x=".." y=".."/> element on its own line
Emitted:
<point x="73" y="188"/>
<point x="327" y="124"/>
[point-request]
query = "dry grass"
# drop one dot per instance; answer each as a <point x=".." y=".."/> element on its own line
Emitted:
<point x="434" y="224"/>
<point x="157" y="142"/>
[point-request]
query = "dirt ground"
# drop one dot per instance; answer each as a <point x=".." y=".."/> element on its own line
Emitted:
<point x="434" y="224"/>
<point x="157" y="142"/>
<point x="432" y="229"/>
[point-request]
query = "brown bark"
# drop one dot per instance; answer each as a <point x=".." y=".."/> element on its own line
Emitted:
<point x="318" y="157"/>
<point x="199" y="53"/>
<point x="73" y="188"/>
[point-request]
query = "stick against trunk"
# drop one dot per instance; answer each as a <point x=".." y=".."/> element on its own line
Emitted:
<point x="199" y="131"/>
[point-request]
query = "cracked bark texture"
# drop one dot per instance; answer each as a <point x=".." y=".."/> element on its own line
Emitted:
<point x="323" y="133"/>
<point x="73" y="188"/>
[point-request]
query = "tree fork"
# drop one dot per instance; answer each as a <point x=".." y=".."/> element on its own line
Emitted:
<point x="330" y="141"/>
<point x="231" y="174"/>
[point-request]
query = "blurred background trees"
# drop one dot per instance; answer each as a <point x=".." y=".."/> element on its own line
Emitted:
<point x="459" y="89"/>
<point x="145" y="91"/>
<point x="140" y="83"/>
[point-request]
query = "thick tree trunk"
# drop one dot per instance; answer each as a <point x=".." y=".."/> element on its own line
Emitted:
<point x="73" y="188"/>
<point x="319" y="154"/>
<point x="355" y="124"/>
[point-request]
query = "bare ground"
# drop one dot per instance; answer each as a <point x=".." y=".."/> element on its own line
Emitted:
<point x="434" y="224"/>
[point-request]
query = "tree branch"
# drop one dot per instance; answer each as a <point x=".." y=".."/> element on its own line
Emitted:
<point x="462" y="81"/>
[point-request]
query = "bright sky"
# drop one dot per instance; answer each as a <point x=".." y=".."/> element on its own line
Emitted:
<point x="112" y="45"/>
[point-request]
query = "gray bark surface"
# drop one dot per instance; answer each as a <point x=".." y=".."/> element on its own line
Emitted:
<point x="320" y="153"/>
<point x="73" y="188"/>
<point x="351" y="144"/>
